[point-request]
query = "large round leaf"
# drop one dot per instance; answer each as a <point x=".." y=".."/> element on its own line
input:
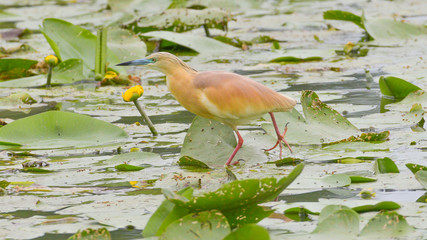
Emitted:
<point x="56" y="129"/>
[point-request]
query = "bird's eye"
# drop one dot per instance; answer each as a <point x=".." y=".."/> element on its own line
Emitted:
<point x="154" y="59"/>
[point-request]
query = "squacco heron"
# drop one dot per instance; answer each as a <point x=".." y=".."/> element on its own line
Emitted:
<point x="229" y="98"/>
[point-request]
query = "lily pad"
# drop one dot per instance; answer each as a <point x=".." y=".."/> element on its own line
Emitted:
<point x="89" y="233"/>
<point x="360" y="179"/>
<point x="421" y="176"/>
<point x="55" y="129"/>
<point x="182" y="19"/>
<point x="209" y="225"/>
<point x="202" y="45"/>
<point x="338" y="222"/>
<point x="249" y="232"/>
<point x="320" y="123"/>
<point x="189" y="162"/>
<point x="299" y="214"/>
<point x="386" y="205"/>
<point x="343" y="16"/>
<point x="390" y="30"/>
<point x="386" y="225"/>
<point x="239" y="217"/>
<point x="385" y="165"/>
<point x="127" y="167"/>
<point x="396" y="87"/>
<point x="11" y="68"/>
<point x="337" y="180"/>
<point x="415" y="167"/>
<point x="291" y="59"/>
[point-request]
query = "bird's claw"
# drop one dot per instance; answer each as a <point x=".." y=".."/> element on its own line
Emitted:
<point x="281" y="138"/>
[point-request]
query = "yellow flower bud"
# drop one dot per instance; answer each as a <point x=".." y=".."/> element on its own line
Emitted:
<point x="133" y="93"/>
<point x="52" y="60"/>
<point x="110" y="75"/>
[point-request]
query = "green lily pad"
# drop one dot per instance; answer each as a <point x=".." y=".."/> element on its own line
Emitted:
<point x="165" y="214"/>
<point x="343" y="16"/>
<point x="299" y="214"/>
<point x="320" y="123"/>
<point x="36" y="170"/>
<point x="396" y="87"/>
<point x="239" y="217"/>
<point x="238" y="194"/>
<point x="385" y="165"/>
<point x="291" y="59"/>
<point x="4" y="184"/>
<point x="421" y="176"/>
<point x="127" y="167"/>
<point x="89" y="233"/>
<point x="390" y="30"/>
<point x="337" y="180"/>
<point x="360" y="179"/>
<point x="11" y="68"/>
<point x="415" y="167"/>
<point x="287" y="161"/>
<point x="340" y="221"/>
<point x="202" y="45"/>
<point x="135" y="158"/>
<point x="209" y="225"/>
<point x="189" y="162"/>
<point x="386" y="205"/>
<point x="55" y="129"/>
<point x="141" y="8"/>
<point x="386" y="225"/>
<point x="249" y="232"/>
<point x="183" y="19"/>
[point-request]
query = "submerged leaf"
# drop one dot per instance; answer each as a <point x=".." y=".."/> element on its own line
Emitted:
<point x="11" y="68"/>
<point x="337" y="180"/>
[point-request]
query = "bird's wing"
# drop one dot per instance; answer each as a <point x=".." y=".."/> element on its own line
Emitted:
<point x="232" y="96"/>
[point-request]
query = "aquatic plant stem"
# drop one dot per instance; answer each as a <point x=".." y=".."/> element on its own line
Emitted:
<point x="49" y="76"/>
<point x="146" y="118"/>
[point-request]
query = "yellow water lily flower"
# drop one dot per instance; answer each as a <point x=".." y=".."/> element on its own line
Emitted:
<point x="110" y="75"/>
<point x="133" y="93"/>
<point x="51" y="60"/>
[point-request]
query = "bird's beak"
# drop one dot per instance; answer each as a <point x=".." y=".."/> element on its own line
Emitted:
<point x="137" y="62"/>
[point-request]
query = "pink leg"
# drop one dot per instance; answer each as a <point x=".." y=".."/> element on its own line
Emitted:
<point x="280" y="137"/>
<point x="239" y="145"/>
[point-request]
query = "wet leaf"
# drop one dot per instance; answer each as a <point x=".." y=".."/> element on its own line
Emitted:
<point x="55" y="129"/>
<point x="343" y="16"/>
<point x="239" y="217"/>
<point x="396" y="87"/>
<point x="4" y="184"/>
<point x="337" y="180"/>
<point x="240" y="193"/>
<point x="386" y="205"/>
<point x="182" y="19"/>
<point x="249" y="232"/>
<point x="91" y="234"/>
<point x="142" y="8"/>
<point x="415" y="167"/>
<point x="165" y="214"/>
<point x="11" y="68"/>
<point x="291" y="59"/>
<point x="423" y="198"/>
<point x="128" y="167"/>
<point x="421" y="176"/>
<point x="390" y="30"/>
<point x="36" y="170"/>
<point x="338" y="222"/>
<point x="299" y="214"/>
<point x="385" y="165"/>
<point x="316" y="195"/>
<point x="287" y="161"/>
<point x="202" y="45"/>
<point x="209" y="225"/>
<point x="189" y="162"/>
<point x="360" y="179"/>
<point x="386" y="225"/>
<point x="320" y="123"/>
<point x="136" y="158"/>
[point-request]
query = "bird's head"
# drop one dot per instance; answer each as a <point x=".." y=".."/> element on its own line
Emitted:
<point x="160" y="61"/>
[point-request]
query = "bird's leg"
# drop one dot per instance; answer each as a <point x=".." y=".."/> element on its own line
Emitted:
<point x="280" y="137"/>
<point x="239" y="145"/>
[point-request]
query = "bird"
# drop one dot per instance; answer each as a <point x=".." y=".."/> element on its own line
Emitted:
<point x="226" y="97"/>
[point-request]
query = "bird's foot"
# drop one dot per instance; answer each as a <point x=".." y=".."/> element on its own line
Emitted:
<point x="281" y="138"/>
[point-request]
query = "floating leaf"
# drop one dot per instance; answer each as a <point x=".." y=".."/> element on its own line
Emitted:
<point x="396" y="87"/>
<point x="415" y="167"/>
<point x="203" y="45"/>
<point x="165" y="214"/>
<point x="421" y="176"/>
<point x="386" y="225"/>
<point x="299" y="214"/>
<point x="182" y="19"/>
<point x="249" y="232"/>
<point x="207" y="225"/>
<point x="360" y="179"/>
<point x="385" y="165"/>
<point x="365" y="137"/>
<point x="55" y="129"/>
<point x="316" y="195"/>
<point x="239" y="217"/>
<point x="390" y="30"/>
<point x="337" y="180"/>
<point x="11" y="68"/>
<point x="238" y="194"/>
<point x="128" y="167"/>
<point x="136" y="158"/>
<point x="89" y="233"/>
<point x="320" y="123"/>
<point x="36" y="170"/>
<point x="338" y="222"/>
<point x="142" y="8"/>
<point x="423" y="198"/>
<point x="4" y="184"/>
<point x="189" y="162"/>
<point x="291" y="59"/>
<point x="343" y="16"/>
<point x="287" y="161"/>
<point x="386" y="205"/>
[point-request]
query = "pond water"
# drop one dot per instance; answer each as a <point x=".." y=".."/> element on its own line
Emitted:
<point x="84" y="190"/>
